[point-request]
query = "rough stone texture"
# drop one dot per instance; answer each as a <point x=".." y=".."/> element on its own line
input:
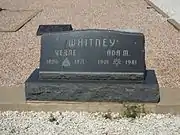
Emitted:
<point x="69" y="90"/>
<point x="20" y="51"/>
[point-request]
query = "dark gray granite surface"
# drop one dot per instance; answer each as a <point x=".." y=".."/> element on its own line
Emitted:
<point x="92" y="90"/>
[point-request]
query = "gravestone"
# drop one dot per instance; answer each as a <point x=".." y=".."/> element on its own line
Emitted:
<point x="93" y="65"/>
<point x="42" y="29"/>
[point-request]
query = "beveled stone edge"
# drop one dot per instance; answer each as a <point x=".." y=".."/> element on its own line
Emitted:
<point x="43" y="75"/>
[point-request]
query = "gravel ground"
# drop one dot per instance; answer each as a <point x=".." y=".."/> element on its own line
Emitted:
<point x="83" y="123"/>
<point x="19" y="52"/>
<point x="16" y="19"/>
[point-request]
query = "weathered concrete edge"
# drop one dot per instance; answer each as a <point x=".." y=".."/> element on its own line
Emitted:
<point x="156" y="8"/>
<point x="169" y="19"/>
<point x="17" y="27"/>
<point x="28" y="19"/>
<point x="69" y="106"/>
<point x="174" y="23"/>
<point x="85" y="106"/>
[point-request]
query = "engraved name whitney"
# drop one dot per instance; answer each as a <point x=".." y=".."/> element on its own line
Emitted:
<point x="88" y="42"/>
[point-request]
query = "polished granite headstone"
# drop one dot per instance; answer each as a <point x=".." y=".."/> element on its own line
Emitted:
<point x="93" y="65"/>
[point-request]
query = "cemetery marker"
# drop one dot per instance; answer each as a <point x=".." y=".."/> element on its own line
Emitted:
<point x="93" y="65"/>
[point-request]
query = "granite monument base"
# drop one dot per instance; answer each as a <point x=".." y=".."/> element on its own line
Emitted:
<point x="92" y="91"/>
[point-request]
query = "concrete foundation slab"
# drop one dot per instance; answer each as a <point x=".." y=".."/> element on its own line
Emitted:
<point x="14" y="99"/>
